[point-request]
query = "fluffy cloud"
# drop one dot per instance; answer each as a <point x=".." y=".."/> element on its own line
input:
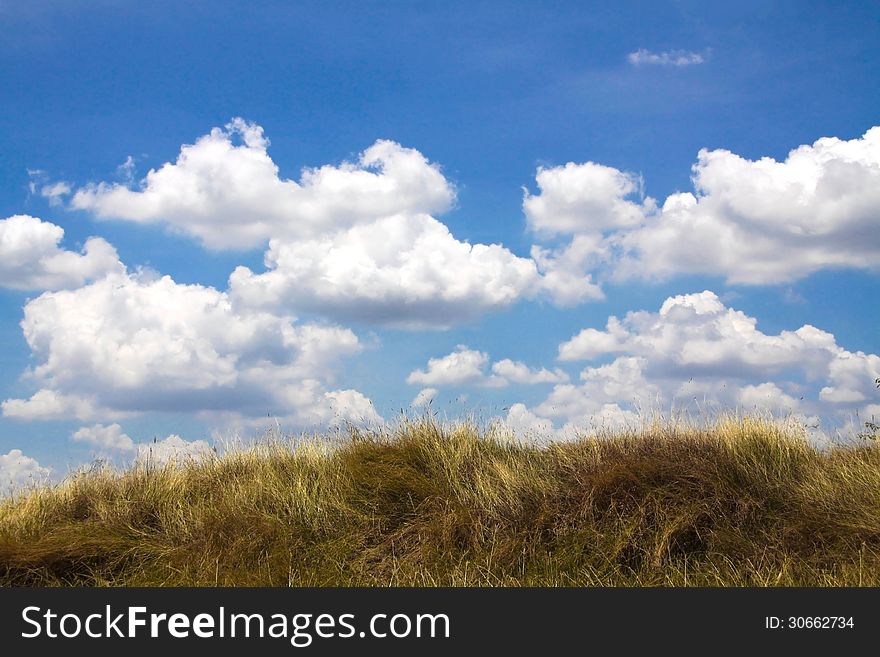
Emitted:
<point x="585" y="198"/>
<point x="403" y="270"/>
<point x="424" y="397"/>
<point x="225" y="190"/>
<point x="598" y="400"/>
<point x="172" y="449"/>
<point x="564" y="271"/>
<point x="130" y="344"/>
<point x="768" y="396"/>
<point x="697" y="334"/>
<point x="18" y="470"/>
<point x="753" y="222"/>
<point x="849" y="378"/>
<point x="46" y="404"/>
<point x="469" y="367"/>
<point x="665" y="58"/>
<point x="355" y="241"/>
<point x="111" y="441"/>
<point x="696" y="348"/>
<point x="586" y="201"/>
<point x="766" y="221"/>
<point x="104" y="438"/>
<point x="30" y="258"/>
<point x="516" y="372"/>
<point x="526" y="425"/>
<point x="462" y="367"/>
<point x="55" y="192"/>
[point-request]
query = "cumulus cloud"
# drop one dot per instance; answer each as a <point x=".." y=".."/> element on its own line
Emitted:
<point x="527" y="426"/>
<point x="565" y="276"/>
<point x="172" y="449"/>
<point x="226" y="191"/>
<point x="31" y="259"/>
<point x="586" y="201"/>
<point x="48" y="404"/>
<point x="129" y="344"/>
<point x="767" y="396"/>
<point x="18" y="470"/>
<point x="698" y="334"/>
<point x="462" y="367"/>
<point x="585" y="198"/>
<point x="402" y="270"/>
<point x="601" y="398"/>
<point x="424" y="397"/>
<point x="470" y="367"/>
<point x="766" y="221"/>
<point x="643" y="56"/>
<point x="696" y="348"/>
<point x="517" y="372"/>
<point x="754" y="222"/>
<point x="354" y="241"/>
<point x="108" y="438"/>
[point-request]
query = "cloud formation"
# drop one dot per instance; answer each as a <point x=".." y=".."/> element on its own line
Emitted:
<point x="225" y="190"/>
<point x="403" y="270"/>
<point x="108" y="438"/>
<point x="755" y="222"/>
<point x="470" y="367"/>
<point x="17" y="470"/>
<point x="697" y="348"/>
<point x="172" y="449"/>
<point x="424" y="397"/>
<point x="354" y="241"/>
<point x="110" y="441"/>
<point x="31" y="259"/>
<point x="130" y="344"/>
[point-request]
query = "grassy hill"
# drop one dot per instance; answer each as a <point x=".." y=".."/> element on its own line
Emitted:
<point x="740" y="503"/>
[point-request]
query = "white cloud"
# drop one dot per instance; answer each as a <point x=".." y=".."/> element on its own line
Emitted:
<point x="403" y="270"/>
<point x="586" y="201"/>
<point x="424" y="397"/>
<point x="462" y="367"/>
<point x="355" y="241"/>
<point x="30" y="258"/>
<point x="130" y="344"/>
<point x="109" y="438"/>
<point x="602" y="392"/>
<point x="226" y="191"/>
<point x="46" y="404"/>
<point x="753" y="222"/>
<point x="764" y="222"/>
<point x="517" y="372"/>
<point x="585" y="198"/>
<point x="172" y="449"/>
<point x="55" y="192"/>
<point x="18" y="470"/>
<point x="470" y="367"/>
<point x="665" y="58"/>
<point x="697" y="333"/>
<point x="850" y="377"/>
<point x="767" y="396"/>
<point x="697" y="349"/>
<point x="527" y="426"/>
<point x="564" y="276"/>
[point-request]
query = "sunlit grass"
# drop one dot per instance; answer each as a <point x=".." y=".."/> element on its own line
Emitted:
<point x="745" y="502"/>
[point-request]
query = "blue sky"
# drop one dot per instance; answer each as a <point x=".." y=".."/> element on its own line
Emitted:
<point x="485" y="185"/>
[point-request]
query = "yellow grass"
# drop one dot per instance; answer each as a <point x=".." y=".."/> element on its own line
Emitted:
<point x="741" y="503"/>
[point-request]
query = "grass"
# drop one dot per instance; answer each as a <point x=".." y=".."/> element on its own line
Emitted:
<point x="741" y="503"/>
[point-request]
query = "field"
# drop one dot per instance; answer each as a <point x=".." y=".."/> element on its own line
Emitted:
<point x="744" y="502"/>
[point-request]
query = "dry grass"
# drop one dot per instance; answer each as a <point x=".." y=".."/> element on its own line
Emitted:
<point x="742" y="503"/>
